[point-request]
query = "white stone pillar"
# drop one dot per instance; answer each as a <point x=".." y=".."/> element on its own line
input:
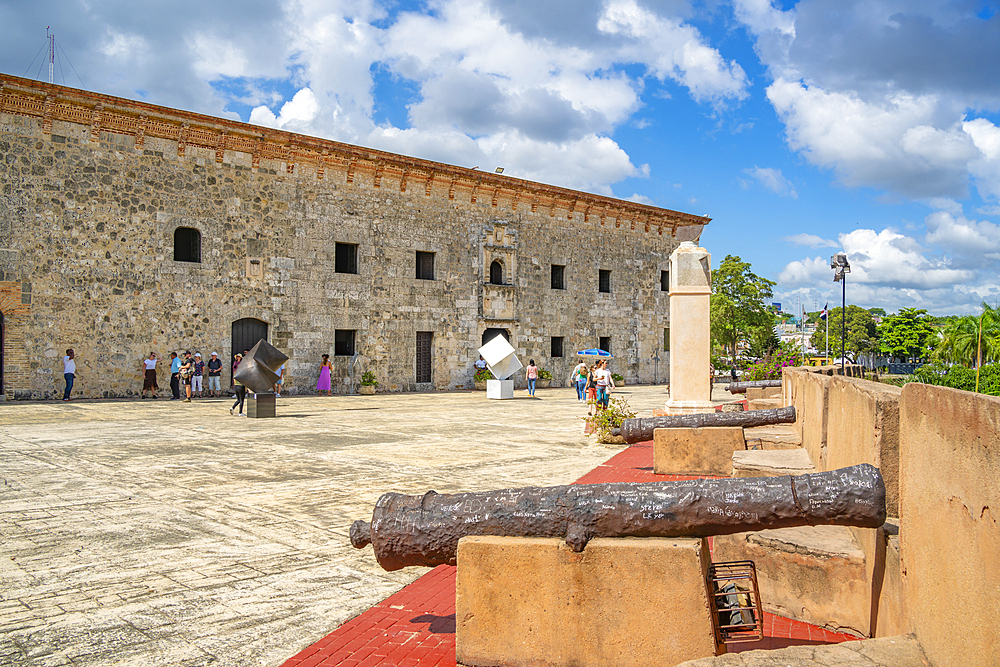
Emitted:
<point x="690" y="330"/>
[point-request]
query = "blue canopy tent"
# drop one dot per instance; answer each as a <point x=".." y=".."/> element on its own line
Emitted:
<point x="595" y="352"/>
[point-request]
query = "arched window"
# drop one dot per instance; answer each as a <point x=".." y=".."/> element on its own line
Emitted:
<point x="187" y="245"/>
<point x="496" y="273"/>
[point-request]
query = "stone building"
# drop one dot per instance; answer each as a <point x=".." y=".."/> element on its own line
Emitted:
<point x="127" y="228"/>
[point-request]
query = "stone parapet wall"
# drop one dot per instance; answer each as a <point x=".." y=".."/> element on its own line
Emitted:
<point x="949" y="539"/>
<point x="94" y="188"/>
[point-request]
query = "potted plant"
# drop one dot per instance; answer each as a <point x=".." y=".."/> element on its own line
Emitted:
<point x="544" y="379"/>
<point x="618" y="380"/>
<point x="480" y="378"/>
<point x="605" y="420"/>
<point x="368" y="383"/>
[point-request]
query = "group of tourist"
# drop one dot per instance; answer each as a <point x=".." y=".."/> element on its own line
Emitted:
<point x="188" y="372"/>
<point x="593" y="384"/>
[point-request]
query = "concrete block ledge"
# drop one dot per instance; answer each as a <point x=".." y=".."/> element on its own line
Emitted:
<point x="772" y="463"/>
<point x="900" y="651"/>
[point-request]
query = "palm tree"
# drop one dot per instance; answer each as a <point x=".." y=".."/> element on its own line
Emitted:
<point x="960" y="342"/>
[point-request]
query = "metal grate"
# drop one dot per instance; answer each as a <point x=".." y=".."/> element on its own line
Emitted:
<point x="736" y="602"/>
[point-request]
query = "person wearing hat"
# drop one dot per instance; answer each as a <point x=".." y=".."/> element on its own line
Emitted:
<point x="215" y="375"/>
<point x="199" y="373"/>
<point x="187" y="372"/>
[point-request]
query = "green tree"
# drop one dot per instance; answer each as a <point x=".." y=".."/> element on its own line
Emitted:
<point x="879" y="312"/>
<point x="961" y="342"/>
<point x="862" y="334"/>
<point x="738" y="312"/>
<point x="906" y="335"/>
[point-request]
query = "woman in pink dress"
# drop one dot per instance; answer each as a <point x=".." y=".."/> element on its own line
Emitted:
<point x="323" y="384"/>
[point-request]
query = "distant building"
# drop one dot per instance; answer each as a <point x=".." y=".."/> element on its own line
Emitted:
<point x="127" y="227"/>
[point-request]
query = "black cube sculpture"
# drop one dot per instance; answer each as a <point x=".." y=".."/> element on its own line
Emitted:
<point x="258" y="372"/>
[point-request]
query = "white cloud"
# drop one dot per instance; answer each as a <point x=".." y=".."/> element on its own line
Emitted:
<point x="959" y="234"/>
<point x="773" y="180"/>
<point x="986" y="167"/>
<point x="891" y="270"/>
<point x="674" y="50"/>
<point x="811" y="240"/>
<point x="299" y="112"/>
<point x="890" y="143"/>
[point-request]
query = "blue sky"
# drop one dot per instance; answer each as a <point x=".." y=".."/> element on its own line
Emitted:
<point x="802" y="128"/>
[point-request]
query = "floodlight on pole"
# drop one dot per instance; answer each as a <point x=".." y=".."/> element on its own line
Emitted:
<point x="841" y="268"/>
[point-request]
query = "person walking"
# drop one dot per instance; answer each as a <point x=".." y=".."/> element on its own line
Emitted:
<point x="241" y="391"/>
<point x="579" y="379"/>
<point x="276" y="387"/>
<point x="187" y="372"/>
<point x="199" y="374"/>
<point x="175" y="377"/>
<point x="592" y="389"/>
<point x="69" y="372"/>
<point x="149" y="376"/>
<point x="602" y="378"/>
<point x="325" y="370"/>
<point x="531" y="373"/>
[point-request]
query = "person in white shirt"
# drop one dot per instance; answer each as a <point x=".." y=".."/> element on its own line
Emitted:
<point x="69" y="372"/>
<point x="276" y="387"/>
<point x="604" y="384"/>
<point x="149" y="376"/>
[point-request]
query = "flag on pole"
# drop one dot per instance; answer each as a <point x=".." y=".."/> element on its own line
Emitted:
<point x="823" y="313"/>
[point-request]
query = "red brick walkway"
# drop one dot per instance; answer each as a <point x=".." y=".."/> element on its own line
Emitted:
<point x="416" y="626"/>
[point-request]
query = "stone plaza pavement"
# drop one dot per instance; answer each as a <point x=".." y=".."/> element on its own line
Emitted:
<point x="168" y="533"/>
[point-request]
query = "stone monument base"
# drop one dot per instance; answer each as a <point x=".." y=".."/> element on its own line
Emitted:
<point x="673" y="407"/>
<point x="622" y="602"/>
<point x="699" y="451"/>
<point x="260" y="405"/>
<point x="499" y="389"/>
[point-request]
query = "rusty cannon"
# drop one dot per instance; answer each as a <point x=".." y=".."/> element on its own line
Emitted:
<point x="638" y="430"/>
<point x="741" y="387"/>
<point x="425" y="530"/>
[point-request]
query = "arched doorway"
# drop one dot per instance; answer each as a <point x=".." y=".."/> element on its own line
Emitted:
<point x="490" y="334"/>
<point x="496" y="273"/>
<point x="247" y="332"/>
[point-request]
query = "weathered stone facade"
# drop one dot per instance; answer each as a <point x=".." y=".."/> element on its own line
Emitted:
<point x="95" y="187"/>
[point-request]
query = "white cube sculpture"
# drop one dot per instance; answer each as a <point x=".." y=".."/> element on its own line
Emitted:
<point x="500" y="359"/>
<point x="499" y="389"/>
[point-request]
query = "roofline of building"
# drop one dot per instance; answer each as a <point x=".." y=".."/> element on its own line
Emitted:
<point x="106" y="113"/>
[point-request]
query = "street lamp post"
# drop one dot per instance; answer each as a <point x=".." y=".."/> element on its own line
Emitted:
<point x="841" y="268"/>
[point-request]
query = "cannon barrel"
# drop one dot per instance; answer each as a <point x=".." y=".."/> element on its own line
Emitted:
<point x="741" y="387"/>
<point x="425" y="530"/>
<point x="638" y="430"/>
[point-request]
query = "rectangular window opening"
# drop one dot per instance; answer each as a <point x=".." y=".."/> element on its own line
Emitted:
<point x="346" y="258"/>
<point x="666" y="339"/>
<point x="664" y="281"/>
<point x="605" y="344"/>
<point x="558" y="276"/>
<point x="425" y="265"/>
<point x="425" y="347"/>
<point x="343" y="342"/>
<point x="557" y="346"/>
<point x="604" y="281"/>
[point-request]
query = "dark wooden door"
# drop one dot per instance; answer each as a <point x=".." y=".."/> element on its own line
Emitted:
<point x="246" y="333"/>
<point x="425" y="340"/>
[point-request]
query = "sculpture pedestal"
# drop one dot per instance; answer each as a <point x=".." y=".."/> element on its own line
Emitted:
<point x="696" y="451"/>
<point x="673" y="407"/>
<point x="499" y="389"/>
<point x="260" y="405"/>
<point x="626" y="602"/>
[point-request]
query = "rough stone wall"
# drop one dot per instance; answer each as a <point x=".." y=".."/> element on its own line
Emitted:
<point x="87" y="223"/>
